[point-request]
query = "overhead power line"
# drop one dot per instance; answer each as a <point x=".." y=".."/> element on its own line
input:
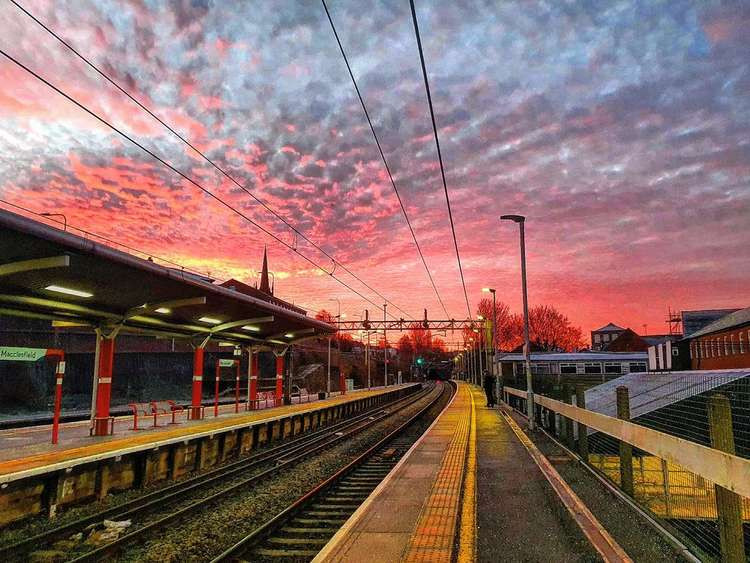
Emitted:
<point x="220" y="169"/>
<point x="180" y="173"/>
<point x="382" y="156"/>
<point x="437" y="145"/>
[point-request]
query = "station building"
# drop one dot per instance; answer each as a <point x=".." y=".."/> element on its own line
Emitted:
<point x="723" y="344"/>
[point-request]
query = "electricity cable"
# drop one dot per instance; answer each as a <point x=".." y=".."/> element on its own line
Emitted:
<point x="199" y="152"/>
<point x="440" y="156"/>
<point x="382" y="156"/>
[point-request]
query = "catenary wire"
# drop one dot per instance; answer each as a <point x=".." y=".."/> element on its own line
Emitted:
<point x="180" y="173"/>
<point x="382" y="156"/>
<point x="200" y="153"/>
<point x="440" y="156"/>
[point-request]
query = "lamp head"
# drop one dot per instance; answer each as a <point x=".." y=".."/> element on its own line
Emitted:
<point x="514" y="218"/>
<point x="488" y="290"/>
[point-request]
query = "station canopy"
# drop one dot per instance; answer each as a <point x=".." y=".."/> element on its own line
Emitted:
<point x="46" y="273"/>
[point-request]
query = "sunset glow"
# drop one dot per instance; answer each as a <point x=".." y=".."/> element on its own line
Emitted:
<point x="623" y="135"/>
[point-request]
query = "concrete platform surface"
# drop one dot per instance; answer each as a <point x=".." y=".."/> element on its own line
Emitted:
<point x="468" y="490"/>
<point x="414" y="515"/>
<point x="28" y="448"/>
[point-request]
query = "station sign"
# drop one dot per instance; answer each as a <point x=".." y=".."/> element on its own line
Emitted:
<point x="226" y="363"/>
<point x="15" y="354"/>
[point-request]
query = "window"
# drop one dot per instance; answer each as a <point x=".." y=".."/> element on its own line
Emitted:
<point x="733" y="345"/>
<point x="597" y="338"/>
<point x="592" y="367"/>
<point x="726" y="346"/>
<point x="612" y="367"/>
<point x="742" y="344"/>
<point x="692" y="350"/>
<point x="637" y="367"/>
<point x="541" y="368"/>
<point x="567" y="368"/>
<point x="605" y="337"/>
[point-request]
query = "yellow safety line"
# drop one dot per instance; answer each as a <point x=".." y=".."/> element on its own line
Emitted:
<point x="436" y="527"/>
<point x="605" y="544"/>
<point x="467" y="547"/>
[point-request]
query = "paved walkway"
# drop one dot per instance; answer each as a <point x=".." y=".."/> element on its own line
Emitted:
<point x="467" y="491"/>
<point x="22" y="453"/>
<point x="519" y="516"/>
<point x="419" y="511"/>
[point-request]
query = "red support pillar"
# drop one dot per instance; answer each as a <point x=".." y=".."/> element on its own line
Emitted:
<point x="342" y="382"/>
<point x="216" y="394"/>
<point x="252" y="384"/>
<point x="279" y="379"/>
<point x="104" y="385"/>
<point x="237" y="386"/>
<point x="196" y="413"/>
<point x="59" y="372"/>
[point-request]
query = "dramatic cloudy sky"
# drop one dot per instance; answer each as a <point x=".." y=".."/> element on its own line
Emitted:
<point x="621" y="129"/>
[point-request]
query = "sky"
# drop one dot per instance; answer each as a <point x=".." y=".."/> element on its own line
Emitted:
<point x="621" y="130"/>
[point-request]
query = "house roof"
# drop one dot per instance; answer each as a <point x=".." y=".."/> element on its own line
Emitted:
<point x="649" y="391"/>
<point x="611" y="327"/>
<point x="726" y="322"/>
<point x="575" y="356"/>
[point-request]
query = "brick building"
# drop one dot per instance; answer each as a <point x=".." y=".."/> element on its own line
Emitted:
<point x="601" y="337"/>
<point x="723" y="344"/>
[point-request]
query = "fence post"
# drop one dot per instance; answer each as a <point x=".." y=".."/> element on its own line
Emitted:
<point x="568" y="422"/>
<point x="626" y="450"/>
<point x="728" y="503"/>
<point x="583" y="437"/>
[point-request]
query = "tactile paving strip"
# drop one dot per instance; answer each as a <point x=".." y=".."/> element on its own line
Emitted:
<point x="434" y="536"/>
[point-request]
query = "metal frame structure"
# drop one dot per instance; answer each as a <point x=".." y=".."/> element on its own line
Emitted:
<point x="49" y="274"/>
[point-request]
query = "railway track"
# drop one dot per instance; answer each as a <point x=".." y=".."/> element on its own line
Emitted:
<point x="301" y="530"/>
<point x="182" y="498"/>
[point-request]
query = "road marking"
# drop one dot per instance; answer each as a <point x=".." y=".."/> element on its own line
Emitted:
<point x="605" y="544"/>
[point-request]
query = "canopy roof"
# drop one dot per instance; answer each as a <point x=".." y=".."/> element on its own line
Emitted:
<point x="50" y="274"/>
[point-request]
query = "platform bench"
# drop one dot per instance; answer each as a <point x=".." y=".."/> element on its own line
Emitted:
<point x="155" y="408"/>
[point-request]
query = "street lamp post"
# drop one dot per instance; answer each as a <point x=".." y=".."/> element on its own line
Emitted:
<point x="328" y="384"/>
<point x="479" y="357"/>
<point x="520" y="219"/>
<point x="494" y="340"/>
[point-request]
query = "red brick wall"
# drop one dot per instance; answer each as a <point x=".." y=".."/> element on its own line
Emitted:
<point x="713" y="352"/>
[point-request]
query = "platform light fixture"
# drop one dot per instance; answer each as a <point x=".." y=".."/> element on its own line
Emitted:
<point x="163" y="310"/>
<point x="289" y="335"/>
<point x="210" y="320"/>
<point x="251" y="328"/>
<point x="68" y="291"/>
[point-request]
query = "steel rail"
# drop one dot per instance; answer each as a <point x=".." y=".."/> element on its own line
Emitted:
<point x="173" y="492"/>
<point x="336" y="437"/>
<point x="262" y="532"/>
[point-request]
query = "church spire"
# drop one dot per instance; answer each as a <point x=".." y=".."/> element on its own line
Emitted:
<point x="265" y="287"/>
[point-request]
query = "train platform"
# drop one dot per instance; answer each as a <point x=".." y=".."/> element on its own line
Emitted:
<point x="473" y="488"/>
<point x="27" y="451"/>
